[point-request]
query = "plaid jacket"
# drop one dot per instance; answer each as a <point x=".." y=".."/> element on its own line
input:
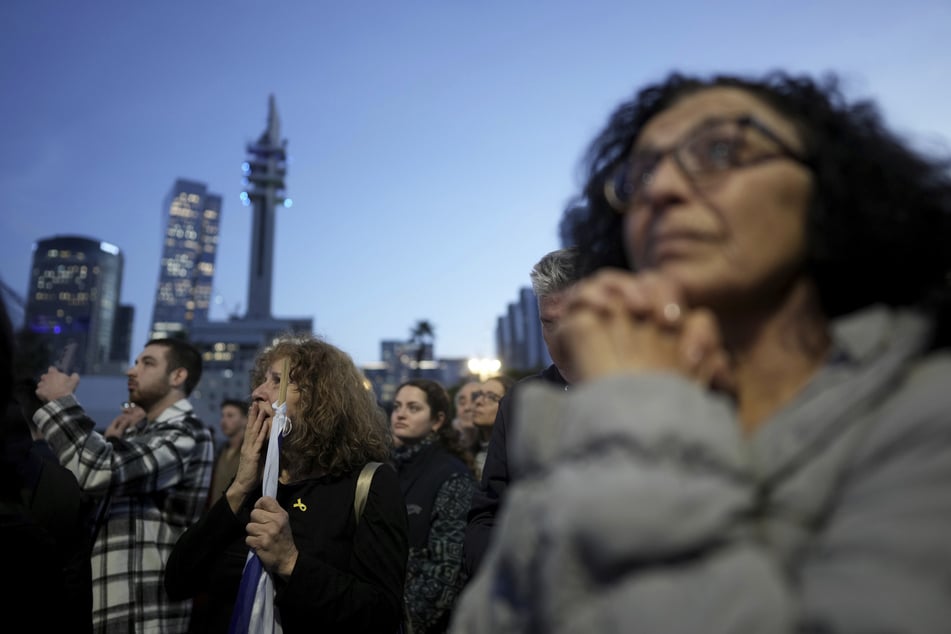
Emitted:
<point x="155" y="481"/>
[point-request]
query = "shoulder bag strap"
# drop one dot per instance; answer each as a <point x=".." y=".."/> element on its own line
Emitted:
<point x="363" y="488"/>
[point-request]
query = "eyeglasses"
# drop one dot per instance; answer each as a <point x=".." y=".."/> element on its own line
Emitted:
<point x="704" y="155"/>
<point x="492" y="396"/>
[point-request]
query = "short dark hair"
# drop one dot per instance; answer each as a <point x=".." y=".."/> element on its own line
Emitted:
<point x="243" y="406"/>
<point x="181" y="354"/>
<point x="879" y="223"/>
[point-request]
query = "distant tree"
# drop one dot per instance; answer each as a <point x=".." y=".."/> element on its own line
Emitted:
<point x="423" y="333"/>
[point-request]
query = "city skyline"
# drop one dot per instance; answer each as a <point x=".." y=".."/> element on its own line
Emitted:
<point x="432" y="147"/>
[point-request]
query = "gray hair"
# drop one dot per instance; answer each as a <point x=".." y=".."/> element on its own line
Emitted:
<point x="555" y="272"/>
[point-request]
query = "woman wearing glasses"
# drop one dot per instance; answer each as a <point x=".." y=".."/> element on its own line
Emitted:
<point x="761" y="437"/>
<point x="437" y="485"/>
<point x="486" y="400"/>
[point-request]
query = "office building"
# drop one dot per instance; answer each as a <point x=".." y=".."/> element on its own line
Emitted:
<point x="73" y="297"/>
<point x="518" y="335"/>
<point x="187" y="268"/>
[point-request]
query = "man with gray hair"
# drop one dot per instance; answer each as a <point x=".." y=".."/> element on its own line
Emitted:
<point x="551" y="277"/>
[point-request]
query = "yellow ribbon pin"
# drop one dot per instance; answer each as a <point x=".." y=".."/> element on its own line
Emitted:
<point x="300" y="505"/>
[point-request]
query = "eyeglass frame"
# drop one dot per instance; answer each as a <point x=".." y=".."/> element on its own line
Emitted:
<point x="492" y="396"/>
<point x="743" y="121"/>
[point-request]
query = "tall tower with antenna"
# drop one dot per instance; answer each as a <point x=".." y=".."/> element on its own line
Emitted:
<point x="264" y="172"/>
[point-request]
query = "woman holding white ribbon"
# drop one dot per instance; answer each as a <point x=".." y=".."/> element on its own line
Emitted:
<point x="329" y="572"/>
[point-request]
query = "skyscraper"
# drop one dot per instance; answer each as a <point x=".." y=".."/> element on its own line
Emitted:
<point x="188" y="259"/>
<point x="518" y="335"/>
<point x="74" y="297"/>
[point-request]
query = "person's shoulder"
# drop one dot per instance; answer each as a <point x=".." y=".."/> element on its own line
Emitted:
<point x="181" y="416"/>
<point x="549" y="375"/>
<point x="925" y="388"/>
<point x="385" y="484"/>
<point x="441" y="458"/>
<point x="456" y="466"/>
<point x="917" y="407"/>
<point x="384" y="474"/>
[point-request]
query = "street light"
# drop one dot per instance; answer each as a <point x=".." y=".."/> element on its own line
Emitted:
<point x="484" y="367"/>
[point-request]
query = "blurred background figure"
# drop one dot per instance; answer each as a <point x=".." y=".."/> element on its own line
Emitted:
<point x="486" y="400"/>
<point x="759" y="439"/>
<point x="553" y="277"/>
<point x="44" y="519"/>
<point x="234" y="419"/>
<point x="330" y="573"/>
<point x="437" y="486"/>
<point x="462" y="423"/>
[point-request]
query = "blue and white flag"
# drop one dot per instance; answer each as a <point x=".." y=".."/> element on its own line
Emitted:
<point x="254" y="609"/>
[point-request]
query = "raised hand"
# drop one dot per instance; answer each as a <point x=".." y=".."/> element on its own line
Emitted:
<point x="253" y="453"/>
<point x="54" y="384"/>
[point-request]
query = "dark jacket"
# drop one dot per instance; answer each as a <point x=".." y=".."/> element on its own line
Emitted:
<point x="437" y="487"/>
<point x="496" y="476"/>
<point x="45" y="522"/>
<point x="348" y="578"/>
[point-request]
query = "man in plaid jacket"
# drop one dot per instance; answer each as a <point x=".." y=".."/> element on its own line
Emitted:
<point x="153" y="481"/>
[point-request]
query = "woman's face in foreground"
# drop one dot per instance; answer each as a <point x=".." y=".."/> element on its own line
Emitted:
<point x="270" y="389"/>
<point x="732" y="235"/>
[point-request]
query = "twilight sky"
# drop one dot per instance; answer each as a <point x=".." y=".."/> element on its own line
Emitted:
<point x="433" y="144"/>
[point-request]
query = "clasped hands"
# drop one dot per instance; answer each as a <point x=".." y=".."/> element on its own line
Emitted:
<point x="617" y="321"/>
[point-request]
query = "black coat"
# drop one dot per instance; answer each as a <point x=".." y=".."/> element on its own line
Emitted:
<point x="488" y="497"/>
<point x="348" y="578"/>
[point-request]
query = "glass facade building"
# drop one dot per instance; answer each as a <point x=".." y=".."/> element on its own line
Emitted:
<point x="73" y="297"/>
<point x="187" y="268"/>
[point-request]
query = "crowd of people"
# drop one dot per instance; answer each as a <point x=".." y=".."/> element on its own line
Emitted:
<point x="745" y="427"/>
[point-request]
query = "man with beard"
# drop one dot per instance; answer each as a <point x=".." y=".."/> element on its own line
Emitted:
<point x="153" y="482"/>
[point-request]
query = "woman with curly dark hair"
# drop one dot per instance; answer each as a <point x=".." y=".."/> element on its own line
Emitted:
<point x="437" y="484"/>
<point x="761" y="437"/>
<point x="331" y="573"/>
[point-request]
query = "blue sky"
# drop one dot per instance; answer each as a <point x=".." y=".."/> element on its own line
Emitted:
<point x="433" y="144"/>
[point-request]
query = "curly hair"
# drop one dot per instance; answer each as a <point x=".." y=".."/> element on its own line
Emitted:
<point x="339" y="427"/>
<point x="879" y="221"/>
<point x="439" y="403"/>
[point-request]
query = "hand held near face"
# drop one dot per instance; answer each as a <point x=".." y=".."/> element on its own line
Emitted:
<point x="261" y="439"/>
<point x="250" y="465"/>
<point x="622" y="322"/>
